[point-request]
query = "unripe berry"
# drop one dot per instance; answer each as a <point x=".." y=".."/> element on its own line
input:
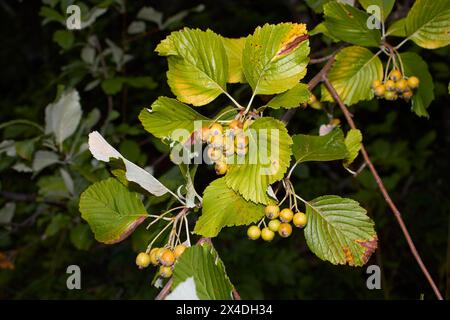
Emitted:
<point x="221" y="168"/>
<point x="165" y="272"/>
<point x="153" y="256"/>
<point x="401" y="85"/>
<point x="167" y="258"/>
<point x="285" y="230"/>
<point x="286" y="215"/>
<point x="236" y="124"/>
<point x="216" y="141"/>
<point x="267" y="234"/>
<point x="241" y="141"/>
<point x="242" y="152"/>
<point x="274" y="225"/>
<point x="389" y="85"/>
<point x="312" y="98"/>
<point x="214" y="154"/>
<point x="316" y="105"/>
<point x="376" y="83"/>
<point x="143" y="260"/>
<point x="253" y="232"/>
<point x="272" y="211"/>
<point x="300" y="219"/>
<point x="179" y="249"/>
<point x="379" y="91"/>
<point x="395" y="75"/>
<point x="413" y="82"/>
<point x="216" y="129"/>
<point x="390" y="95"/>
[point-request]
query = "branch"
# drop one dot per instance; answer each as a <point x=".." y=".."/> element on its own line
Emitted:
<point x="383" y="190"/>
<point x="166" y="289"/>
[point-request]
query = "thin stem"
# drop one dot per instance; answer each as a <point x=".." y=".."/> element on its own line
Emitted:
<point x="292" y="169"/>
<point x="233" y="100"/>
<point x="158" y="235"/>
<point x="250" y="103"/>
<point x="188" y="236"/>
<point x="21" y="121"/>
<point x="384" y="192"/>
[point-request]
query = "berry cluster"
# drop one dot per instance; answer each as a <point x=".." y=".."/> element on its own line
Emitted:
<point x="395" y="86"/>
<point x="223" y="144"/>
<point x="164" y="257"/>
<point x="280" y="222"/>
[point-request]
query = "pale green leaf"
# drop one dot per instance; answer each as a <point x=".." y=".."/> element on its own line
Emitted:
<point x="352" y="75"/>
<point x="414" y="65"/>
<point x="397" y="28"/>
<point x="353" y="142"/>
<point x="43" y="159"/>
<point x="202" y="263"/>
<point x="234" y="48"/>
<point x="7" y="212"/>
<point x="428" y="23"/>
<point x="349" y="24"/>
<point x="198" y="65"/>
<point x="266" y="161"/>
<point x="111" y="210"/>
<point x="103" y="151"/>
<point x="320" y="148"/>
<point x="223" y="207"/>
<point x="339" y="231"/>
<point x="275" y="57"/>
<point x="167" y="115"/>
<point x="292" y="98"/>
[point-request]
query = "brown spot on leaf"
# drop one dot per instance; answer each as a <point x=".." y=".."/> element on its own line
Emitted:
<point x="348" y="256"/>
<point x="290" y="46"/>
<point x="129" y="230"/>
<point x="370" y="245"/>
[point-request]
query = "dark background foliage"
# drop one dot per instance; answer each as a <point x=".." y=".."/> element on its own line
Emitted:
<point x="411" y="153"/>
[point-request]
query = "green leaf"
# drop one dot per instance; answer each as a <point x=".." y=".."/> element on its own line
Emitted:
<point x="43" y="159"/>
<point x="321" y="28"/>
<point x="320" y="148"/>
<point x="112" y="86"/>
<point x="81" y="237"/>
<point x="350" y="25"/>
<point x="202" y="263"/>
<point x="167" y="115"/>
<point x="58" y="222"/>
<point x="352" y="75"/>
<point x="25" y="148"/>
<point x="317" y="5"/>
<point x="275" y="57"/>
<point x="198" y="65"/>
<point x="292" y="98"/>
<point x="384" y="5"/>
<point x="234" y="48"/>
<point x="267" y="160"/>
<point x="428" y="23"/>
<point x="397" y="28"/>
<point x="414" y="65"/>
<point x="7" y="213"/>
<point x="353" y="142"/>
<point x="339" y="231"/>
<point x="64" y="38"/>
<point x="223" y="207"/>
<point x="141" y="82"/>
<point x="111" y="210"/>
<point x="103" y="151"/>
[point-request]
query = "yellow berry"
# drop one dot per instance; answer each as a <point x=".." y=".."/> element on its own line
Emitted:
<point x="242" y="151"/>
<point x="253" y="232"/>
<point x="216" y="141"/>
<point x="300" y="219"/>
<point x="272" y="211"/>
<point x="316" y="105"/>
<point x="285" y="230"/>
<point x="401" y="85"/>
<point x="413" y="82"/>
<point x="167" y="258"/>
<point x="274" y="225"/>
<point x="379" y="91"/>
<point x="395" y="75"/>
<point x="241" y="141"/>
<point x="267" y="234"/>
<point x="312" y="98"/>
<point x="389" y="85"/>
<point x="153" y="256"/>
<point x="216" y="129"/>
<point x="286" y="215"/>
<point x="214" y="154"/>
<point x="179" y="249"/>
<point x="236" y="124"/>
<point x="204" y="133"/>
<point x="376" y="83"/>
<point x="221" y="168"/>
<point x="143" y="260"/>
<point x="407" y="95"/>
<point x="165" y="272"/>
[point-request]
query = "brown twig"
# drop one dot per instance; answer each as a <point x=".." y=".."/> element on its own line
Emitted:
<point x="383" y="190"/>
<point x="166" y="289"/>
